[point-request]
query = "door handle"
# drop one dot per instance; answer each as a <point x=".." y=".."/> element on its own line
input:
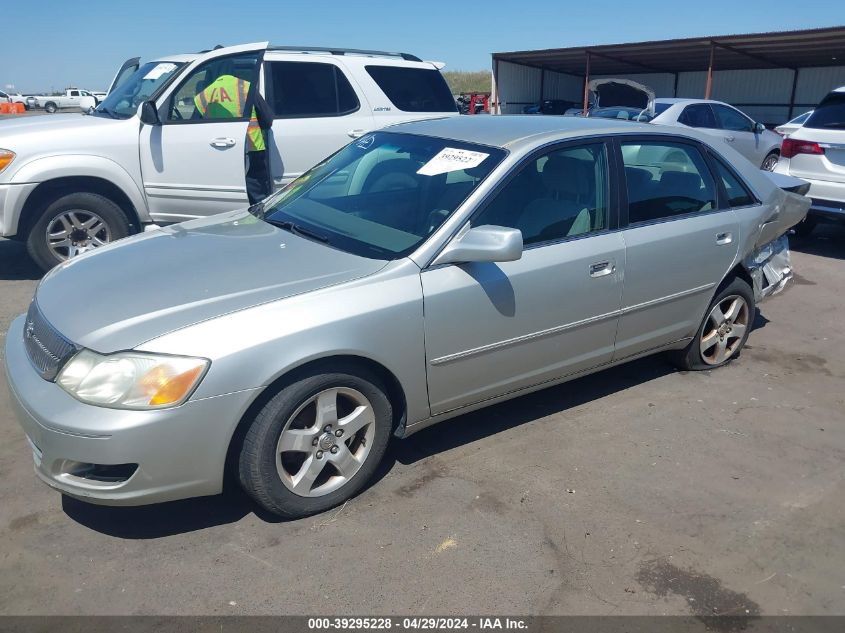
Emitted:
<point x="730" y="139"/>
<point x="600" y="269"/>
<point x="724" y="238"/>
<point x="222" y="142"/>
<point x="356" y="133"/>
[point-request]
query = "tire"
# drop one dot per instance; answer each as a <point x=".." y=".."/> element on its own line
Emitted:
<point x="279" y="454"/>
<point x="721" y="344"/>
<point x="805" y="227"/>
<point x="79" y="215"/>
<point x="770" y="161"/>
<point x="50" y="107"/>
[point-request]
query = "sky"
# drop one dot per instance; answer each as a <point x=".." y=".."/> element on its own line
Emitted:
<point x="50" y="44"/>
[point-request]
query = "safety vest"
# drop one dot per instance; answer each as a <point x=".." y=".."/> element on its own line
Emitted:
<point x="225" y="98"/>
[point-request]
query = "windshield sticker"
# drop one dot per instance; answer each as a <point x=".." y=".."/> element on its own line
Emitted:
<point x="365" y="142"/>
<point x="159" y="70"/>
<point x="452" y="159"/>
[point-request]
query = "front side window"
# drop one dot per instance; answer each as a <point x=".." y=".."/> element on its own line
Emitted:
<point x="698" y="115"/>
<point x="216" y="90"/>
<point x="384" y="194"/>
<point x="664" y="180"/>
<point x="730" y="119"/>
<point x="144" y="84"/>
<point x="558" y="195"/>
<point x="414" y="89"/>
<point x="309" y="89"/>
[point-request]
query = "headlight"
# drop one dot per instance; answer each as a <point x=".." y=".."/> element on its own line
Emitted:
<point x="131" y="380"/>
<point x="6" y="157"/>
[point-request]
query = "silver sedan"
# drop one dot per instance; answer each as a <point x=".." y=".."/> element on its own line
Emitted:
<point x="418" y="274"/>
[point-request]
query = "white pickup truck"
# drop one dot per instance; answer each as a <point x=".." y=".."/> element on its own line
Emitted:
<point x="73" y="98"/>
<point x="147" y="155"/>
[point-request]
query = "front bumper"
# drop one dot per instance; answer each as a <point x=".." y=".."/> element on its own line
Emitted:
<point x="12" y="198"/>
<point x="179" y="452"/>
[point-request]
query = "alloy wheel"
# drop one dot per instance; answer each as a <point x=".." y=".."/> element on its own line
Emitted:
<point x="724" y="330"/>
<point x="73" y="232"/>
<point x="325" y="442"/>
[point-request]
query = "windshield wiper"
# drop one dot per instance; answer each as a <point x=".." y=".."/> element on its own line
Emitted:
<point x="298" y="230"/>
<point x="100" y="108"/>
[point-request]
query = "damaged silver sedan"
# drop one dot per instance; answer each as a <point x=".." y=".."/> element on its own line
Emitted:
<point x="418" y="274"/>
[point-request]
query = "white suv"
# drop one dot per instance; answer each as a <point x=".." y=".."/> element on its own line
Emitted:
<point x="73" y="182"/>
<point x="815" y="152"/>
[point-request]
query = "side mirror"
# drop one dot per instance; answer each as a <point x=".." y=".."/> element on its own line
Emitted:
<point x="483" y="244"/>
<point x="149" y="113"/>
<point x="759" y="128"/>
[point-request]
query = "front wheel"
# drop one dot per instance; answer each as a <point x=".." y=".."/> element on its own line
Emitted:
<point x="724" y="331"/>
<point x="316" y="443"/>
<point x="73" y="224"/>
<point x="770" y="162"/>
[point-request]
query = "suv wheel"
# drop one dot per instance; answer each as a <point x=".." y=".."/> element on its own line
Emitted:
<point x="770" y="162"/>
<point x="73" y="224"/>
<point x="726" y="327"/>
<point x="316" y="443"/>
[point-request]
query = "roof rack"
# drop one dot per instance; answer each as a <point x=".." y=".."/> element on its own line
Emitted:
<point x="343" y="51"/>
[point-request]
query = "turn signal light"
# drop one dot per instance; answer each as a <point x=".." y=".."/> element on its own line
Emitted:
<point x="6" y="157"/>
<point x="792" y="147"/>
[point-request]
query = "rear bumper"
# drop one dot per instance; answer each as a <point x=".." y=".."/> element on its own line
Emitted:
<point x="163" y="455"/>
<point x="828" y="209"/>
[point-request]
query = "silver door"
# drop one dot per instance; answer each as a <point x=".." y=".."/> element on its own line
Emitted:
<point x="678" y="244"/>
<point x="494" y="328"/>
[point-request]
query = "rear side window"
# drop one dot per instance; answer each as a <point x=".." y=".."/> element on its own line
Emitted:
<point x="310" y="89"/>
<point x="698" y="115"/>
<point x="665" y="180"/>
<point x="738" y="194"/>
<point x="414" y="89"/>
<point x="830" y="114"/>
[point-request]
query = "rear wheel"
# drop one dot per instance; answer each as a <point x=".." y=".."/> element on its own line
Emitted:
<point x="73" y="224"/>
<point x="50" y="107"/>
<point x="770" y="162"/>
<point x="316" y="443"/>
<point x="724" y="331"/>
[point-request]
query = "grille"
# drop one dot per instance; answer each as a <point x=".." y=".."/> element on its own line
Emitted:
<point x="47" y="349"/>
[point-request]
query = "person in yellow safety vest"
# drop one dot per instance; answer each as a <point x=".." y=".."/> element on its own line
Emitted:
<point x="225" y="98"/>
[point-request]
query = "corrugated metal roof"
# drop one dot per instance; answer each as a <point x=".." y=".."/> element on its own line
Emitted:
<point x="783" y="49"/>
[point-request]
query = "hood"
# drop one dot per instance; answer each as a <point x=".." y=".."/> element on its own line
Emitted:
<point x="142" y="287"/>
<point x="622" y="92"/>
<point x="36" y="137"/>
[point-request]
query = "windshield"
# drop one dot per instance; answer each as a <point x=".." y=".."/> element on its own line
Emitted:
<point x="144" y="83"/>
<point x="384" y="194"/>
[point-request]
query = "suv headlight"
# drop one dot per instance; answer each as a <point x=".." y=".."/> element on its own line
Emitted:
<point x="131" y="380"/>
<point x="6" y="157"/>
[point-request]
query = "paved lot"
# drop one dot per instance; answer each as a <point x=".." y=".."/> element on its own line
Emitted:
<point x="637" y="490"/>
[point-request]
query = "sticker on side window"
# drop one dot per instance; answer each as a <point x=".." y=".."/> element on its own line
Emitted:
<point x="452" y="159"/>
<point x="160" y="69"/>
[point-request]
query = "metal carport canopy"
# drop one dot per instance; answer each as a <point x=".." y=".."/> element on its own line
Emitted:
<point x="785" y="49"/>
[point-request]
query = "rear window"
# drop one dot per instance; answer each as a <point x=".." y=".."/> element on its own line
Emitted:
<point x="830" y="114"/>
<point x="309" y="89"/>
<point x="414" y="89"/>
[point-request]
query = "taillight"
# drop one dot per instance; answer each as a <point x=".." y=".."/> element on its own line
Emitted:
<point x="791" y="147"/>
